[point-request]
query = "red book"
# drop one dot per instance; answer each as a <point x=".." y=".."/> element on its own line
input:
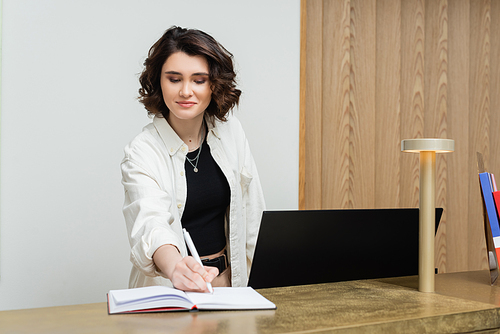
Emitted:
<point x="496" y="197"/>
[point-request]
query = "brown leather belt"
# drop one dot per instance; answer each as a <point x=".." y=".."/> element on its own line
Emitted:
<point x="220" y="262"/>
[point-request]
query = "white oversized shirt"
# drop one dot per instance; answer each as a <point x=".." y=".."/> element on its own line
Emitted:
<point x="156" y="190"/>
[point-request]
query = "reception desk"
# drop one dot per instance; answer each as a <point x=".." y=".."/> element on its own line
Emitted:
<point x="463" y="303"/>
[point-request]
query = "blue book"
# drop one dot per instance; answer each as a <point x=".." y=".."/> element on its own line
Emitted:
<point x="489" y="202"/>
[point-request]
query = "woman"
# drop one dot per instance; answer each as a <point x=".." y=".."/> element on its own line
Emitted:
<point x="190" y="168"/>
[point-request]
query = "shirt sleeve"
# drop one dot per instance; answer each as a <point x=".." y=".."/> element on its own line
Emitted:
<point x="148" y="215"/>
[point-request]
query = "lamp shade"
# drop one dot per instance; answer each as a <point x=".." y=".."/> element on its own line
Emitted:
<point x="437" y="145"/>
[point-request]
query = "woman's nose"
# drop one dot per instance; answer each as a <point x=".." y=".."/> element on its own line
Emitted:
<point x="186" y="90"/>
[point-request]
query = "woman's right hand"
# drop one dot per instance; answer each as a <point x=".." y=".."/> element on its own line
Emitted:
<point x="185" y="273"/>
<point x="189" y="275"/>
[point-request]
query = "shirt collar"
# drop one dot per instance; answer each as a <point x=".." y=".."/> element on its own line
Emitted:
<point x="171" y="140"/>
<point x="213" y="127"/>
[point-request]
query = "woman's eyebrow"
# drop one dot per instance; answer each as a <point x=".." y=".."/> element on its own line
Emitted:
<point x="194" y="74"/>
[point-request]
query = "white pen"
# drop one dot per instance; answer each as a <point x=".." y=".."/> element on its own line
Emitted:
<point x="194" y="253"/>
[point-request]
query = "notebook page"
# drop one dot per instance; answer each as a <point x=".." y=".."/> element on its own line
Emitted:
<point x="150" y="293"/>
<point x="229" y="298"/>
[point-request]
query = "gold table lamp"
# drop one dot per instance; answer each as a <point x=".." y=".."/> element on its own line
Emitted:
<point x="427" y="147"/>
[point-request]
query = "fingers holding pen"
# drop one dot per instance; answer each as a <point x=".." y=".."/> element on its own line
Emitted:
<point x="210" y="274"/>
<point x="186" y="273"/>
<point x="189" y="275"/>
<point x="197" y="271"/>
<point x="184" y="278"/>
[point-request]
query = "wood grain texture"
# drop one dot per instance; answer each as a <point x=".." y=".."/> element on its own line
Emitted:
<point x="457" y="209"/>
<point x="435" y="113"/>
<point x="388" y="104"/>
<point x="362" y="124"/>
<point x="379" y="71"/>
<point x="412" y="94"/>
<point x="313" y="104"/>
<point x="336" y="74"/>
<point x="479" y="124"/>
<point x="495" y="90"/>
<point x="302" y="111"/>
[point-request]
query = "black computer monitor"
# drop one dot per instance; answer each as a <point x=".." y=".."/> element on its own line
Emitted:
<point x="319" y="246"/>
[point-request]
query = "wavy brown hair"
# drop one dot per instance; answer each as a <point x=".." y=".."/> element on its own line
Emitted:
<point x="193" y="42"/>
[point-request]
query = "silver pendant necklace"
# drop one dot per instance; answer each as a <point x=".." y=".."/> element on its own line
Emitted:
<point x="197" y="158"/>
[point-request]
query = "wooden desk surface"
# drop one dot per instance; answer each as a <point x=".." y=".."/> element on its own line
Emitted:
<point x="464" y="302"/>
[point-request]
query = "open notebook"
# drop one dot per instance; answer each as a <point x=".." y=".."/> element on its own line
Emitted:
<point x="163" y="299"/>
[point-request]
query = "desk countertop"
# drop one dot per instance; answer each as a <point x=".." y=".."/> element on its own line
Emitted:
<point x="463" y="302"/>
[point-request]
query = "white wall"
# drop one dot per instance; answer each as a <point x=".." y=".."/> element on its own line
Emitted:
<point x="69" y="85"/>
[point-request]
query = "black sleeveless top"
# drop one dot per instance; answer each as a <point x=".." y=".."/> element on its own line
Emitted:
<point x="208" y="197"/>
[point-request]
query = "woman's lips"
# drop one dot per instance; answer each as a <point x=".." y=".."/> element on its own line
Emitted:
<point x="186" y="104"/>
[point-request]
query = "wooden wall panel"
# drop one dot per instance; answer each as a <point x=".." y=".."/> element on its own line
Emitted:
<point x="495" y="90"/>
<point x="311" y="48"/>
<point x="336" y="72"/>
<point x="375" y="72"/>
<point x="388" y="101"/>
<point x="479" y="122"/>
<point x="457" y="208"/>
<point x="362" y="104"/>
<point x="302" y="115"/>
<point x="412" y="94"/>
<point x="435" y="112"/>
